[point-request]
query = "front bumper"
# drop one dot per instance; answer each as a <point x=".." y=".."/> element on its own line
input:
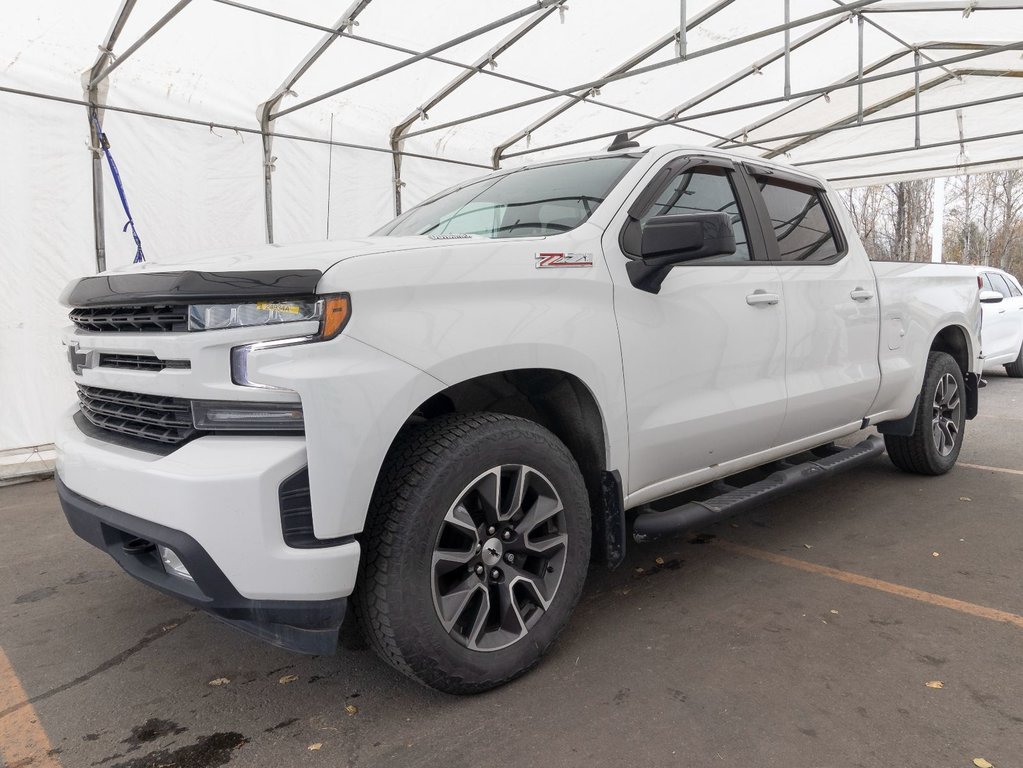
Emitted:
<point x="307" y="626"/>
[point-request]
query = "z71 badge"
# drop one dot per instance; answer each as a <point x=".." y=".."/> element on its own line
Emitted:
<point x="545" y="260"/>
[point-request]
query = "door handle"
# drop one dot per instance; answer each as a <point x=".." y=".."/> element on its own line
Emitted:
<point x="861" y="294"/>
<point x="760" y="296"/>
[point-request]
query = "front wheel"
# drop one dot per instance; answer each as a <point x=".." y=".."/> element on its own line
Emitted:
<point x="475" y="550"/>
<point x="934" y="446"/>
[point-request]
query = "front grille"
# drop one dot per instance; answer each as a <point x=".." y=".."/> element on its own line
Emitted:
<point x="139" y="362"/>
<point x="159" y="418"/>
<point x="137" y="319"/>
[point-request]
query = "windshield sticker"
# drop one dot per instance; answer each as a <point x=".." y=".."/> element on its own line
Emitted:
<point x="545" y="260"/>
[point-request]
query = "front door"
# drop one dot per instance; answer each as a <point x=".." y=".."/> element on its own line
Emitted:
<point x="704" y="358"/>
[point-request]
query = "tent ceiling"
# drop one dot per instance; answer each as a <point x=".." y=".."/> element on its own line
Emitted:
<point x="449" y="89"/>
<point x="858" y="90"/>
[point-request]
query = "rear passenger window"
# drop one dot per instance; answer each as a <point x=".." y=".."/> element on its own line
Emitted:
<point x="1013" y="287"/>
<point x="800" y="222"/>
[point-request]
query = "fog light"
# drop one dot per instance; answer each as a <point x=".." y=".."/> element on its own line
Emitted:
<point x="172" y="563"/>
<point x="229" y="416"/>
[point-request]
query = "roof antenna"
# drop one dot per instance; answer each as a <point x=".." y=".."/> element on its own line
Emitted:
<point x="622" y="142"/>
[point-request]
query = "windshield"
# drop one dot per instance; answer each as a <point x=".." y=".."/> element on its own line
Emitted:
<point x="543" y="200"/>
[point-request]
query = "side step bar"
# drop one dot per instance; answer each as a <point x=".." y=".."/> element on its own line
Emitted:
<point x="655" y="524"/>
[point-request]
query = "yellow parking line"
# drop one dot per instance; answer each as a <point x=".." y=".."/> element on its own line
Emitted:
<point x="993" y="614"/>
<point x="23" y="742"/>
<point x="991" y="469"/>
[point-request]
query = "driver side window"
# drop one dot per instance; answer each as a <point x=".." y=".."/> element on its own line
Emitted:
<point x="703" y="190"/>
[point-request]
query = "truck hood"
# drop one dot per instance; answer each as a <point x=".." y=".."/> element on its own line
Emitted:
<point x="318" y="255"/>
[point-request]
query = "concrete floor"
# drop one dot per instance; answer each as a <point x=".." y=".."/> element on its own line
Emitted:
<point x="727" y="649"/>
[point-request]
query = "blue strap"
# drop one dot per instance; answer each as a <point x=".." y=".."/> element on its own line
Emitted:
<point x="105" y="146"/>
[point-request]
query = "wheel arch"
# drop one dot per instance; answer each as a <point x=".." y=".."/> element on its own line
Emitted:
<point x="558" y="401"/>
<point x="955" y="341"/>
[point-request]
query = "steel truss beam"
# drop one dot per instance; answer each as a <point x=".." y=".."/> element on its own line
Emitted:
<point x="855" y="78"/>
<point x="160" y="24"/>
<point x="774" y="100"/>
<point x="958" y="6"/>
<point x="522" y="12"/>
<point x="633" y="61"/>
<point x="748" y="71"/>
<point x="587" y="86"/>
<point x="961" y="167"/>
<point x="803" y="137"/>
<point x="398" y="131"/>
<point x="896" y="118"/>
<point x="95" y="88"/>
<point x="267" y="107"/>
<point x="231" y="127"/>
<point x="907" y="150"/>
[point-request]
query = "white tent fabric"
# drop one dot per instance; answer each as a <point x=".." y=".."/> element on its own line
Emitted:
<point x="199" y="185"/>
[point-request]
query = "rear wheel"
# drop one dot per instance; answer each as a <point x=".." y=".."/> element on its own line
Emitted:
<point x="934" y="446"/>
<point x="1015" y="368"/>
<point x="475" y="551"/>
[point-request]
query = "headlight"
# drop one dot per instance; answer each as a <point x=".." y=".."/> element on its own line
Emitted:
<point x="331" y="311"/>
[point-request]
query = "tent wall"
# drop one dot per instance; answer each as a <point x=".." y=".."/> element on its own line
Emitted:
<point x="199" y="185"/>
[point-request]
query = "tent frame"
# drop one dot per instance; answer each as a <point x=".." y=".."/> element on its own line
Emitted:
<point x="96" y="85"/>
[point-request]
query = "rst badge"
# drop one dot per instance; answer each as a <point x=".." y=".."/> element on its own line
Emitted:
<point x="551" y="260"/>
<point x="79" y="360"/>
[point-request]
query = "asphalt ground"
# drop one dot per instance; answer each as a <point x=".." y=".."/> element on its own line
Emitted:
<point x="802" y="634"/>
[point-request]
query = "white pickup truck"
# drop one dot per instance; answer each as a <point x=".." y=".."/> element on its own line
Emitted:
<point x="444" y="423"/>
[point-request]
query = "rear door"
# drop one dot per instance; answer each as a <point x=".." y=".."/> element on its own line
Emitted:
<point x="831" y="307"/>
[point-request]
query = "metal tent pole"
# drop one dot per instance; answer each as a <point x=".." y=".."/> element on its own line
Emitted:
<point x="745" y="72"/>
<point x="788" y="52"/>
<point x="160" y="24"/>
<point x="650" y="67"/>
<point x="859" y="69"/>
<point x="420" y="56"/>
<point x="267" y="107"/>
<point x="489" y="57"/>
<point x="625" y="66"/>
<point x="888" y="118"/>
<point x="904" y="150"/>
<point x="93" y="100"/>
<point x="774" y="100"/>
<point x="958" y="167"/>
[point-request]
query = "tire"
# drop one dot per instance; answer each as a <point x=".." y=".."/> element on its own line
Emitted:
<point x="1015" y="368"/>
<point x="420" y="595"/>
<point x="934" y="446"/>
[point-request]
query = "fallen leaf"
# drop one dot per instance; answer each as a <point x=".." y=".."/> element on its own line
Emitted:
<point x="980" y="762"/>
<point x="965" y="498"/>
<point x="808" y="546"/>
<point x="935" y="554"/>
<point x="288" y="679"/>
<point x="659" y="561"/>
<point x="219" y="681"/>
<point x="833" y="611"/>
<point x="314" y="747"/>
<point x="935" y="684"/>
<point x="351" y="709"/>
<point x="639" y="570"/>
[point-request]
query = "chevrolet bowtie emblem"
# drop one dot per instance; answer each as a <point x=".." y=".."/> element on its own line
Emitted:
<point x="79" y="360"/>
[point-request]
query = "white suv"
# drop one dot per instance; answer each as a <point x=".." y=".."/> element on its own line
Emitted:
<point x="1002" y="335"/>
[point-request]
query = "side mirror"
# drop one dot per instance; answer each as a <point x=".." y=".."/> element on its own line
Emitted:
<point x="674" y="239"/>
<point x="669" y="240"/>
<point x="990" y="297"/>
